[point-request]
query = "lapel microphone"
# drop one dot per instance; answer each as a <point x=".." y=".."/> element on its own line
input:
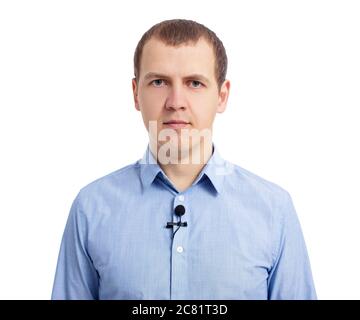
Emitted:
<point x="179" y="211"/>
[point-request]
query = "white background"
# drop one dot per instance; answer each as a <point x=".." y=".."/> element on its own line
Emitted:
<point x="67" y="117"/>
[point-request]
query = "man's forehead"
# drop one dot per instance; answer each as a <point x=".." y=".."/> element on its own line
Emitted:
<point x="183" y="60"/>
<point x="154" y="45"/>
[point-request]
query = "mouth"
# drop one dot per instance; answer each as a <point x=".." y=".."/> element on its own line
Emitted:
<point x="176" y="124"/>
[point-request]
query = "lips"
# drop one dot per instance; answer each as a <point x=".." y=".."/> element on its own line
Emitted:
<point x="176" y="124"/>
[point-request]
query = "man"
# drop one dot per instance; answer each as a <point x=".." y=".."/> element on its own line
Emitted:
<point x="182" y="223"/>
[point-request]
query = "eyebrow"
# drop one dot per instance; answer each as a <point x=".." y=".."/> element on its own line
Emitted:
<point x="152" y="75"/>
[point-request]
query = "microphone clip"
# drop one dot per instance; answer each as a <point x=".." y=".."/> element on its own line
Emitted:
<point x="180" y="224"/>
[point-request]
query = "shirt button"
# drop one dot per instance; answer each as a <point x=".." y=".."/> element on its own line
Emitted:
<point x="179" y="249"/>
<point x="181" y="197"/>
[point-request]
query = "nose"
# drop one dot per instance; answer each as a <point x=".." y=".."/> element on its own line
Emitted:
<point x="176" y="98"/>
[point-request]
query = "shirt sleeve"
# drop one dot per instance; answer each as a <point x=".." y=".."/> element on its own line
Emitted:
<point x="290" y="277"/>
<point x="75" y="277"/>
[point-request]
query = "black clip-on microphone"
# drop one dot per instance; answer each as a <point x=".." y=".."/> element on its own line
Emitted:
<point x="179" y="211"/>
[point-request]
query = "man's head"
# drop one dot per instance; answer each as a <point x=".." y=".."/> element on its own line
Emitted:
<point x="179" y="32"/>
<point x="180" y="69"/>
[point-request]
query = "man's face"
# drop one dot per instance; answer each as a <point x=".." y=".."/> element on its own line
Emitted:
<point x="178" y="83"/>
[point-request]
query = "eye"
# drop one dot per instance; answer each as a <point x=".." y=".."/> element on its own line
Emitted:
<point x="157" y="82"/>
<point x="196" y="84"/>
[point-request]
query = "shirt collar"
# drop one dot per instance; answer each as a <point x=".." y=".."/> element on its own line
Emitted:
<point x="215" y="169"/>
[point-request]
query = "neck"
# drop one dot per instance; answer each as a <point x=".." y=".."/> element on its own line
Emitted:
<point x="183" y="173"/>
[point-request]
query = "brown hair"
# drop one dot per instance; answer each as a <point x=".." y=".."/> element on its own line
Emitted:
<point x="180" y="31"/>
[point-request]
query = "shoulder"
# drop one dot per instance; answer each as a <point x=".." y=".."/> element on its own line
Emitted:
<point x="109" y="186"/>
<point x="257" y="189"/>
<point x="260" y="185"/>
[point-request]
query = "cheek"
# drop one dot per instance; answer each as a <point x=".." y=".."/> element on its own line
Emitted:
<point x="204" y="114"/>
<point x="151" y="96"/>
<point x="204" y="121"/>
<point x="151" y="105"/>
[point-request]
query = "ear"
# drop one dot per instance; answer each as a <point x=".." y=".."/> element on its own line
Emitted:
<point x="223" y="96"/>
<point x="135" y="93"/>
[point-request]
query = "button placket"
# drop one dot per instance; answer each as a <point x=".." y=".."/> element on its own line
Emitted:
<point x="179" y="255"/>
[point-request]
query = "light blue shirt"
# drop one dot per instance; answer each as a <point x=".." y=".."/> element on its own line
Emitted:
<point x="243" y="239"/>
